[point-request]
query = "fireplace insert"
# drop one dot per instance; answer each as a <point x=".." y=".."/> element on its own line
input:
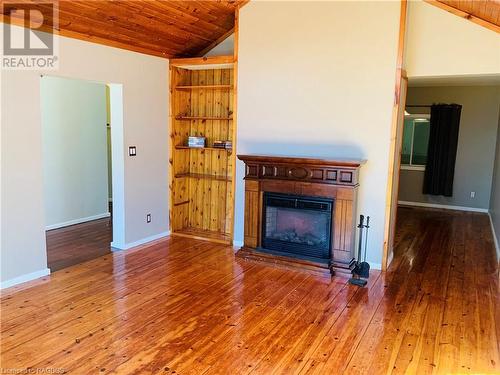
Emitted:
<point x="298" y="226"/>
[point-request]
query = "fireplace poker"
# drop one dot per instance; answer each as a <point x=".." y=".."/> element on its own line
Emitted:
<point x="356" y="279"/>
<point x="364" y="267"/>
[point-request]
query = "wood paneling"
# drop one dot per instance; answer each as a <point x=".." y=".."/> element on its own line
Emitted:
<point x="202" y="177"/>
<point x="185" y="28"/>
<point x="483" y="12"/>
<point x="163" y="28"/>
<point x="190" y="307"/>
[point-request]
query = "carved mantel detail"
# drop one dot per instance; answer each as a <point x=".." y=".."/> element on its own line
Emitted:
<point x="335" y="179"/>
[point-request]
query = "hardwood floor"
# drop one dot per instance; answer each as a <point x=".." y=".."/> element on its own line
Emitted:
<point x="182" y="306"/>
<point x="78" y="243"/>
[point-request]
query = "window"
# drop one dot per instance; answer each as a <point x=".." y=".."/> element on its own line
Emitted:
<point x="415" y="142"/>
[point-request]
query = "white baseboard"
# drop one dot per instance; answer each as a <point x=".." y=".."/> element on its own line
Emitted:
<point x="375" y="266"/>
<point x="117" y="247"/>
<point x="77" y="221"/>
<point x="24" y="278"/>
<point x="495" y="239"/>
<point x="442" y="206"/>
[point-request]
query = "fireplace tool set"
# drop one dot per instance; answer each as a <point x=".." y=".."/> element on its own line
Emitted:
<point x="361" y="270"/>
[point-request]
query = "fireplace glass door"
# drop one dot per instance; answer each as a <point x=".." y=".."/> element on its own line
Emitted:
<point x="297" y="225"/>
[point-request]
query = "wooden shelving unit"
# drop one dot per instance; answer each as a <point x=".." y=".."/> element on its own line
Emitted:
<point x="202" y="175"/>
<point x="214" y="87"/>
<point x="213" y="118"/>
<point x="183" y="147"/>
<point x="202" y="104"/>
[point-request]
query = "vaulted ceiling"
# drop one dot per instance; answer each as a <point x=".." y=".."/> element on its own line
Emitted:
<point x="181" y="28"/>
<point x="162" y="28"/>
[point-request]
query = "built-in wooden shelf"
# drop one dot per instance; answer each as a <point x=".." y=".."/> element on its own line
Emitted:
<point x="203" y="235"/>
<point x="187" y="118"/>
<point x="195" y="87"/>
<point x="203" y="176"/>
<point x="183" y="147"/>
<point x="202" y="181"/>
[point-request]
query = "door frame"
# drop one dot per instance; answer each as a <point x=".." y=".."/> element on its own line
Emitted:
<point x="396" y="142"/>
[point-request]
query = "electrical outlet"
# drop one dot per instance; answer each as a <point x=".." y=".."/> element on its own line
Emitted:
<point x="132" y="151"/>
<point x="148" y="218"/>
<point x="473" y="194"/>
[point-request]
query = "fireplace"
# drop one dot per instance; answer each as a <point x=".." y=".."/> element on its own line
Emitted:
<point x="297" y="225"/>
<point x="299" y="212"/>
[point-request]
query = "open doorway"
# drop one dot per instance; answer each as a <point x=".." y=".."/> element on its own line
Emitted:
<point x="446" y="176"/>
<point x="77" y="170"/>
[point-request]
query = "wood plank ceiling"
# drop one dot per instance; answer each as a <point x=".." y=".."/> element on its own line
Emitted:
<point x="185" y="28"/>
<point x="483" y="12"/>
<point x="163" y="28"/>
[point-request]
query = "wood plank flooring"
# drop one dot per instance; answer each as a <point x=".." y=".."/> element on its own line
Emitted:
<point x="78" y="243"/>
<point x="183" y="306"/>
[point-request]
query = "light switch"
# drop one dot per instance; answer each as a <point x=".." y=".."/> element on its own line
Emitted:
<point x="132" y="151"/>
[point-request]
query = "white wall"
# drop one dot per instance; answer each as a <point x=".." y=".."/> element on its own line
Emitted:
<point x="476" y="145"/>
<point x="74" y="152"/>
<point x="317" y="79"/>
<point x="439" y="43"/>
<point x="108" y="142"/>
<point x="144" y="80"/>
<point x="495" y="194"/>
<point x="226" y="47"/>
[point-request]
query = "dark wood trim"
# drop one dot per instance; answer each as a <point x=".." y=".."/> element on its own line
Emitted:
<point x="302" y="160"/>
<point x="323" y="171"/>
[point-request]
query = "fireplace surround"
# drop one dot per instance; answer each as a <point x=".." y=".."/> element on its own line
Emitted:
<point x="300" y="212"/>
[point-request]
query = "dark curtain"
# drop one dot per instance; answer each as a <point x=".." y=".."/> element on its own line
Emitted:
<point x="442" y="150"/>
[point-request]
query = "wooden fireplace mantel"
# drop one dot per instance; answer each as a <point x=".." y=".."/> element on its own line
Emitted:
<point x="334" y="179"/>
<point x="337" y="172"/>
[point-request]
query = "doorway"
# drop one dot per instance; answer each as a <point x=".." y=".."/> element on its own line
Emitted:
<point x="448" y="148"/>
<point x="77" y="168"/>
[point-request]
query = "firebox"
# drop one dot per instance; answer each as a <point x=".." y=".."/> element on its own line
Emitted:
<point x="298" y="226"/>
